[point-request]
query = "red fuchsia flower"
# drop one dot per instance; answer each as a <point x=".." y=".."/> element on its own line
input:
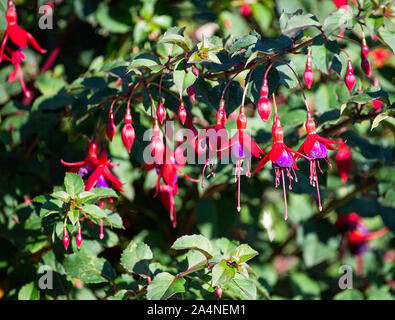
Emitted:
<point x="161" y="112"/>
<point x="182" y="113"/>
<point x="95" y="169"/>
<point x="376" y="103"/>
<point x="78" y="238"/>
<point x="264" y="105"/>
<point x="349" y="78"/>
<point x="169" y="169"/>
<point x="356" y="234"/>
<point x="282" y="159"/>
<point x="343" y="161"/>
<point x="85" y="167"/>
<point x="308" y="75"/>
<point x="19" y="39"/>
<point x="315" y="147"/>
<point x="157" y="146"/>
<point x="102" y="176"/>
<point x="242" y="147"/>
<point x="365" y="65"/>
<point x="340" y="3"/>
<point x="128" y="133"/>
<point x="111" y="128"/>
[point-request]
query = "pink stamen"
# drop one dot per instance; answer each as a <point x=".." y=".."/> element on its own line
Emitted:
<point x="238" y="165"/>
<point x="101" y="230"/>
<point x="204" y="169"/>
<point x="285" y="197"/>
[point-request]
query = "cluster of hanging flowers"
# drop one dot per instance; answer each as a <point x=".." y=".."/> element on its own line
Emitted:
<point x="95" y="171"/>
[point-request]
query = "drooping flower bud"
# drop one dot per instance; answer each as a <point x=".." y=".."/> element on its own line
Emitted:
<point x="350" y="78"/>
<point x="111" y="128"/>
<point x="245" y="10"/>
<point x="264" y="107"/>
<point x="365" y="65"/>
<point x="308" y="74"/>
<point x="161" y="112"/>
<point x="191" y="93"/>
<point x="128" y="133"/>
<point x="218" y="290"/>
<point x="78" y="238"/>
<point x="182" y="113"/>
<point x="66" y="239"/>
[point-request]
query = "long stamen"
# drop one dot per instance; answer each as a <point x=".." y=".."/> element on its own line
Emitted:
<point x="101" y="229"/>
<point x="238" y="186"/>
<point x="318" y="193"/>
<point x="285" y="197"/>
<point x="204" y="169"/>
<point x="318" y="163"/>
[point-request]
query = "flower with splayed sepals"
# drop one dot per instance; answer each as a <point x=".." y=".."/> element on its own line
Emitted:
<point x="282" y="159"/>
<point x="315" y="147"/>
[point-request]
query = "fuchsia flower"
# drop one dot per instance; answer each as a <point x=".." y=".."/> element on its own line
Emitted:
<point x="168" y="169"/>
<point x="315" y="147"/>
<point x="211" y="141"/>
<point x="376" y="103"/>
<point x="19" y="39"/>
<point x="95" y="169"/>
<point x="242" y="147"/>
<point x="282" y="159"/>
<point x="308" y="75"/>
<point x="356" y="234"/>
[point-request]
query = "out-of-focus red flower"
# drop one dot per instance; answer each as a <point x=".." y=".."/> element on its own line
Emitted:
<point x="343" y="161"/>
<point x="380" y="57"/>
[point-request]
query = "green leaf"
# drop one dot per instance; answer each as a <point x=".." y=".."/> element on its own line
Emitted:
<point x="136" y="258"/>
<point x="196" y="242"/>
<point x="222" y="273"/>
<point x="88" y="269"/>
<point x="182" y="78"/>
<point x="241" y="287"/>
<point x="339" y="19"/>
<point x="380" y="117"/>
<point x="145" y="60"/>
<point x="243" y="253"/>
<point x="304" y="285"/>
<point x="175" y="36"/>
<point x="99" y="193"/>
<point x="242" y="42"/>
<point x="164" y="286"/>
<point x="29" y="292"/>
<point x="94" y="211"/>
<point x="293" y="24"/>
<point x="50" y="207"/>
<point x="108" y="22"/>
<point x="349" y="294"/>
<point x="386" y="33"/>
<point x="61" y="195"/>
<point x="73" y="184"/>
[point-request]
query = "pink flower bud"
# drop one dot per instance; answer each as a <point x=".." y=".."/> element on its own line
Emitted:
<point x="365" y="65"/>
<point x="66" y="239"/>
<point x="264" y="107"/>
<point x="364" y="49"/>
<point x="111" y="127"/>
<point x="78" y="238"/>
<point x="218" y="290"/>
<point x="161" y="112"/>
<point x="128" y="133"/>
<point x="182" y="113"/>
<point x="350" y="78"/>
<point x="308" y="74"/>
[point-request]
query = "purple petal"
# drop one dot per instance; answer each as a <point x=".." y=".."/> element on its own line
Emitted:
<point x="319" y="151"/>
<point x="285" y="160"/>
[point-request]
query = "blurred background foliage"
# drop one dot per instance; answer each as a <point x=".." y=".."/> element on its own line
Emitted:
<point x="298" y="258"/>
